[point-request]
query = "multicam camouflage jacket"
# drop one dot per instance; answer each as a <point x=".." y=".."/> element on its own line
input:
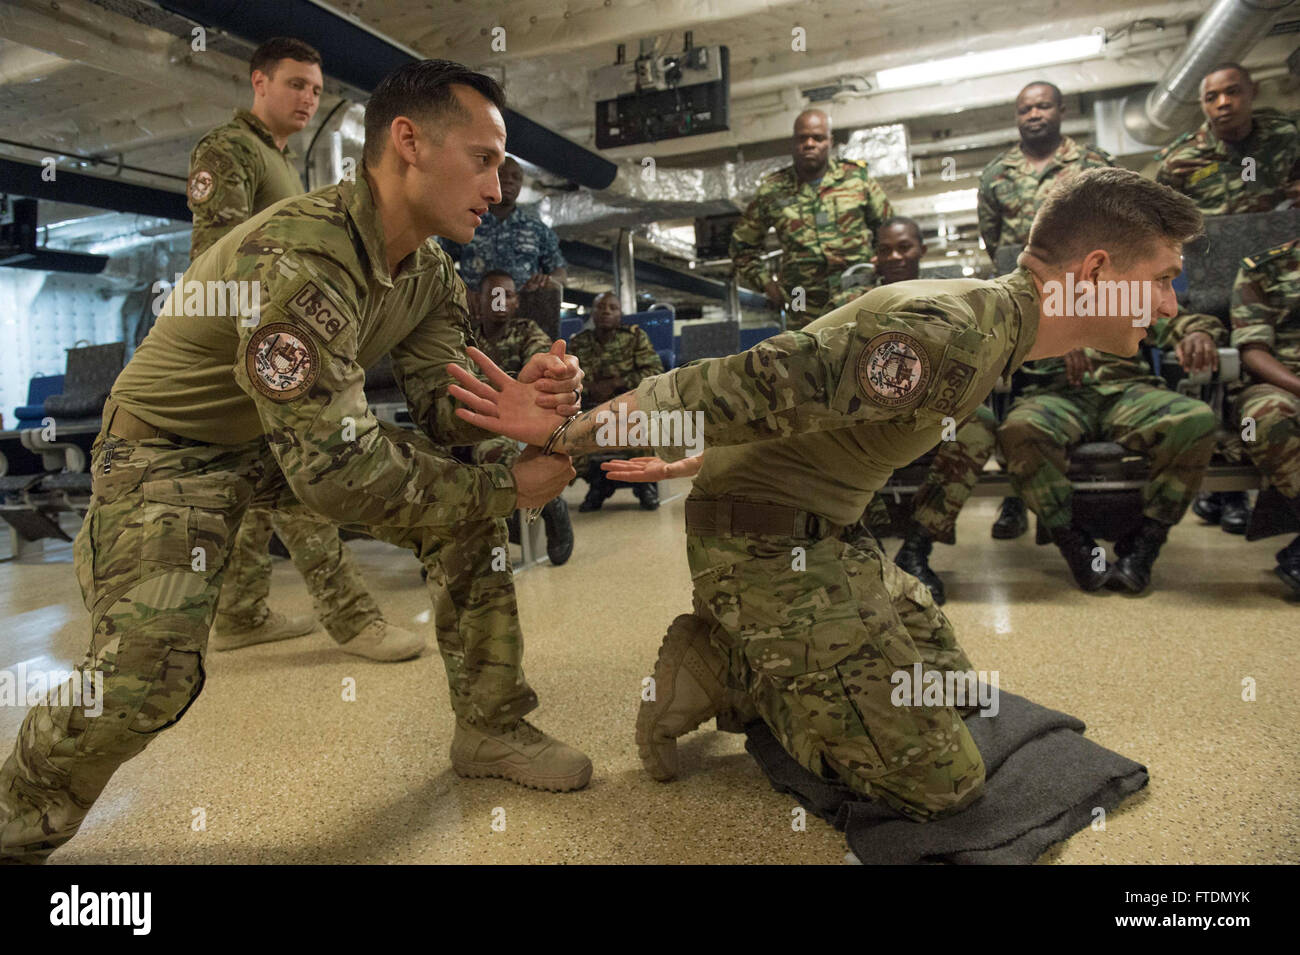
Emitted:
<point x="1228" y="178"/>
<point x="1011" y="190"/>
<point x="822" y="227"/>
<point x="236" y="171"/>
<point x="1266" y="303"/>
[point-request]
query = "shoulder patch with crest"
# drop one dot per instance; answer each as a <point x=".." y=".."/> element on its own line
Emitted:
<point x="282" y="362"/>
<point x="200" y="187"/>
<point x="893" y="370"/>
<point x="318" y="310"/>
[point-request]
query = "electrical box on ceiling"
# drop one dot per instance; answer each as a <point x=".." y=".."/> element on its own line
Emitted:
<point x="662" y="96"/>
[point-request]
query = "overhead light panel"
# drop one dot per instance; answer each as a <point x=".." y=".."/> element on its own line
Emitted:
<point x="1006" y="60"/>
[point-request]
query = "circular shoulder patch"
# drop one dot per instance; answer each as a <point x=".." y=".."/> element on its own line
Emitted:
<point x="200" y="186"/>
<point x="282" y="361"/>
<point x="893" y="369"/>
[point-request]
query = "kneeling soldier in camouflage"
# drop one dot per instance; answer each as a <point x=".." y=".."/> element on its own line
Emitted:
<point x="802" y="429"/>
<point x="215" y="412"/>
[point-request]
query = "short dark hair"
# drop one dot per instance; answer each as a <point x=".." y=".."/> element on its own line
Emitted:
<point x="494" y="273"/>
<point x="278" y="48"/>
<point x="1056" y="90"/>
<point x="422" y="90"/>
<point x="1219" y="68"/>
<point x="1113" y="209"/>
<point x="903" y="221"/>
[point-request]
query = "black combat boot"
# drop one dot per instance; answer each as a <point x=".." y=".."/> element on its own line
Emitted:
<point x="1208" y="506"/>
<point x="599" y="488"/>
<point x="648" y="495"/>
<point x="1137" y="552"/>
<point x="559" y="531"/>
<point x="1012" y="520"/>
<point x="913" y="557"/>
<point x="1077" y="549"/>
<point x="1288" y="565"/>
<point x="1236" y="511"/>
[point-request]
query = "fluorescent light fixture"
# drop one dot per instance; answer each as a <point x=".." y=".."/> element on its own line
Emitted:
<point x="1005" y="60"/>
<point x="959" y="200"/>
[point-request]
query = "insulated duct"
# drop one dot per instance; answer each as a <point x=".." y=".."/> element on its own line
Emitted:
<point x="1226" y="32"/>
<point x="361" y="57"/>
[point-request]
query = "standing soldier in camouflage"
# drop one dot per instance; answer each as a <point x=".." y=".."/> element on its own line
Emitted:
<point x="825" y="212"/>
<point x="800" y="431"/>
<point x="1091" y="396"/>
<point x="1266" y="327"/>
<point x="1011" y="189"/>
<point x="1239" y="160"/>
<point x="615" y="358"/>
<point x="216" y="411"/>
<point x="236" y="171"/>
<point x="510" y="341"/>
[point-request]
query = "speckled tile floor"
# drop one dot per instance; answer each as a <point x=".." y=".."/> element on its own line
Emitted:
<point x="283" y="770"/>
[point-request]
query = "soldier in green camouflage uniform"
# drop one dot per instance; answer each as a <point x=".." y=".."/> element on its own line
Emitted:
<point x="216" y="412"/>
<point x="1240" y="159"/>
<point x="1011" y="189"/>
<point x="1115" y="399"/>
<point x="615" y="358"/>
<point x="510" y="341"/>
<point x="825" y="213"/>
<point x="1266" y="328"/>
<point x="800" y="431"/>
<point x="236" y="171"/>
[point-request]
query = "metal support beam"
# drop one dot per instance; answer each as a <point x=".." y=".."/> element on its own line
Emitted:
<point x="625" y="272"/>
<point x="587" y="256"/>
<point x="24" y="179"/>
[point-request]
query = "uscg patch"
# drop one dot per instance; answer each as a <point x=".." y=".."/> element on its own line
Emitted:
<point x="893" y="370"/>
<point x="318" y="310"/>
<point x="951" y="385"/>
<point x="282" y="362"/>
<point x="200" y="186"/>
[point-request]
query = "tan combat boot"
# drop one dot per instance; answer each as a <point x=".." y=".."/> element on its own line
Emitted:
<point x="522" y="754"/>
<point x="383" y="642"/>
<point x="275" y="627"/>
<point x="689" y="684"/>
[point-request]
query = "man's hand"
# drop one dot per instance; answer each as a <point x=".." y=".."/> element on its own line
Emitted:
<point x="775" y="297"/>
<point x="539" y="478"/>
<point x="538" y="280"/>
<point x="557" y="378"/>
<point x="1196" y="352"/>
<point x="651" y="469"/>
<point x="1077" y="364"/>
<point x="501" y="404"/>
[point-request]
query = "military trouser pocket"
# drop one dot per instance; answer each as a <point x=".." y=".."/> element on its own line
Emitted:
<point x="149" y="686"/>
<point x="187" y="522"/>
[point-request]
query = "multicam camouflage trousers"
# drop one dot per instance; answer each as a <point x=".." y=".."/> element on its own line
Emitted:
<point x="151" y="558"/>
<point x="815" y="647"/>
<point x="1176" y="433"/>
<point x="339" y="594"/>
<point x="1276" y="448"/>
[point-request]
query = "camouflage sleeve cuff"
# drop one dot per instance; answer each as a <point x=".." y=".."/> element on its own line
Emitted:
<point x="1254" y="335"/>
<point x="657" y="395"/>
<point x="1188" y="324"/>
<point x="499" y="492"/>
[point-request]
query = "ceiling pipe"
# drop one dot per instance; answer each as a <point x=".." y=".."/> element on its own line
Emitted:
<point x="1226" y="33"/>
<point x="361" y="57"/>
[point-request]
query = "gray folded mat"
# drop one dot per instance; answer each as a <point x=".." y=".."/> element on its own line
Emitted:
<point x="1043" y="780"/>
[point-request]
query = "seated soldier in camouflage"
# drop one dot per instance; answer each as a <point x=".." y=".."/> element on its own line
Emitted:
<point x="963" y="450"/>
<point x="1266" y="327"/>
<point x="614" y="357"/>
<point x="1090" y="396"/>
<point x="510" y="341"/>
<point x="801" y="430"/>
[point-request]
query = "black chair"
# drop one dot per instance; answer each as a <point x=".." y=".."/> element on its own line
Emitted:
<point x="708" y="340"/>
<point x="87" y="381"/>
